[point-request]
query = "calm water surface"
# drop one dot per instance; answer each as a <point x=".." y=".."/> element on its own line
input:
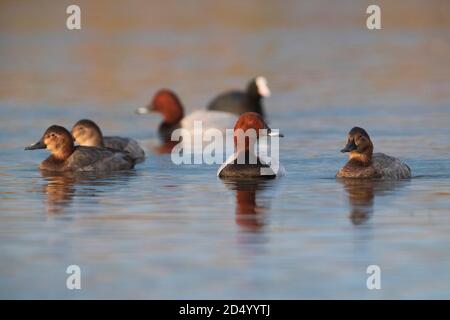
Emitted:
<point x="167" y="231"/>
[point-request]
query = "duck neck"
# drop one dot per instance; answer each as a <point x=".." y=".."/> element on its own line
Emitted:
<point x="172" y="120"/>
<point x="172" y="114"/>
<point x="99" y="140"/>
<point x="360" y="159"/>
<point x="63" y="152"/>
<point x="165" y="131"/>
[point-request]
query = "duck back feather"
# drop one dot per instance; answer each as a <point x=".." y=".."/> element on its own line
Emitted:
<point x="127" y="145"/>
<point x="381" y="167"/>
<point x="388" y="167"/>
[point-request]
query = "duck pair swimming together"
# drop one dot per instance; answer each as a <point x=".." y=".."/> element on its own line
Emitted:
<point x="94" y="153"/>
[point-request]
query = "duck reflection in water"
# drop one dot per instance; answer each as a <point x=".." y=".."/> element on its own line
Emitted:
<point x="59" y="191"/>
<point x="61" y="187"/>
<point x="165" y="146"/>
<point x="249" y="214"/>
<point x="362" y="193"/>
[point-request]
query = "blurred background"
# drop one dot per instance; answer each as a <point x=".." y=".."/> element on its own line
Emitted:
<point x="313" y="53"/>
<point x="150" y="233"/>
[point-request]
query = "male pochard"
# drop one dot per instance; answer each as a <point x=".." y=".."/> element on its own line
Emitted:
<point x="169" y="105"/>
<point x="67" y="157"/>
<point x="239" y="102"/>
<point x="244" y="163"/>
<point x="363" y="163"/>
<point x="87" y="133"/>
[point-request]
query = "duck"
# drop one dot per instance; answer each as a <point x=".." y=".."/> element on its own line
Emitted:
<point x="239" y="102"/>
<point x="87" y="133"/>
<point x="66" y="157"/>
<point x="244" y="163"/>
<point x="167" y="103"/>
<point x="364" y="164"/>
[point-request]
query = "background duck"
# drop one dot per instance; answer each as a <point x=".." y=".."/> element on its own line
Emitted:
<point x="66" y="157"/>
<point x="239" y="102"/>
<point x="363" y="163"/>
<point x="87" y="133"/>
<point x="169" y="105"/>
<point x="244" y="163"/>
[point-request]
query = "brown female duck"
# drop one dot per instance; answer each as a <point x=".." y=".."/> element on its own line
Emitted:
<point x="364" y="164"/>
<point x="87" y="133"/>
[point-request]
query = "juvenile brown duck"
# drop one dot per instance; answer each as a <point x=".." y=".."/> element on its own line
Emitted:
<point x="66" y="157"/>
<point x="87" y="133"/>
<point x="363" y="163"/>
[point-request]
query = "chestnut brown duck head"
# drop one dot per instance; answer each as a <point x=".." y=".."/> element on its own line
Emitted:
<point x="365" y="164"/>
<point x="57" y="140"/>
<point x="167" y="103"/>
<point x="359" y="146"/>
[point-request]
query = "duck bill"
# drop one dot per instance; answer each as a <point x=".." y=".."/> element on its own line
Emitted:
<point x="38" y="145"/>
<point x="275" y="133"/>
<point x="145" y="110"/>
<point x="351" y="146"/>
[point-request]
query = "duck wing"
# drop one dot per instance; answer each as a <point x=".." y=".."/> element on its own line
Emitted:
<point x="98" y="159"/>
<point x="127" y="145"/>
<point x="389" y="167"/>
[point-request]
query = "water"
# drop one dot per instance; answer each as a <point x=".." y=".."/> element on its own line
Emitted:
<point x="167" y="231"/>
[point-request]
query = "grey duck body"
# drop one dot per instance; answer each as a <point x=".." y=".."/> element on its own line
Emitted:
<point x="382" y="167"/>
<point x="85" y="159"/>
<point x="127" y="145"/>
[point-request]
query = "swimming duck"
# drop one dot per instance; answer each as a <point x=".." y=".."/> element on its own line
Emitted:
<point x="169" y="105"/>
<point x="66" y="157"/>
<point x="244" y="163"/>
<point x="238" y="102"/>
<point x="363" y="163"/>
<point x="87" y="133"/>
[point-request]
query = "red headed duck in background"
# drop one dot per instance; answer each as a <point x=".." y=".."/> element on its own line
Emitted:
<point x="167" y="103"/>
